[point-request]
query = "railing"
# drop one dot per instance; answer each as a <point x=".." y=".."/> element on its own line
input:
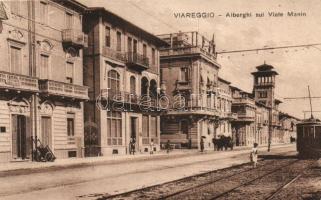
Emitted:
<point x="137" y="59"/>
<point x="183" y="85"/>
<point x="76" y="37"/>
<point x="245" y="117"/>
<point x="243" y="101"/>
<point x="63" y="89"/>
<point x="264" y="84"/>
<point x="116" y="55"/>
<point x="130" y="98"/>
<point x="18" y="82"/>
<point x="187" y="51"/>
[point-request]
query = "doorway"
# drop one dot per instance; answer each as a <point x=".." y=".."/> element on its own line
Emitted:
<point x="46" y="131"/>
<point x="133" y="128"/>
<point x="19" y="136"/>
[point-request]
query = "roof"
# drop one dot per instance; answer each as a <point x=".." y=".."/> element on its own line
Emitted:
<point x="72" y="3"/>
<point x="223" y="80"/>
<point x="265" y="69"/>
<point x="128" y="26"/>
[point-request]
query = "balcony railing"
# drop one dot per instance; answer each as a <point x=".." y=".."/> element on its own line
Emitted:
<point x="137" y="60"/>
<point x="183" y="86"/>
<point x="63" y="89"/>
<point x="243" y="101"/>
<point x="18" y="82"/>
<point x="130" y="98"/>
<point x="75" y="38"/>
<point x="115" y="55"/>
<point x="178" y="51"/>
<point x="245" y="117"/>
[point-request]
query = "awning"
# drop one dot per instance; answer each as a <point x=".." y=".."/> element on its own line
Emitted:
<point x="3" y="14"/>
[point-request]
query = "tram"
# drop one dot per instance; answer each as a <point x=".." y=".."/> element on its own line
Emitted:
<point x="309" y="138"/>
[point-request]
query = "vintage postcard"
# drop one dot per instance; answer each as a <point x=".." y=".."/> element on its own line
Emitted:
<point x="160" y="99"/>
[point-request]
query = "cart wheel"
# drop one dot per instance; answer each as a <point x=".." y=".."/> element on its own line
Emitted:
<point x="48" y="157"/>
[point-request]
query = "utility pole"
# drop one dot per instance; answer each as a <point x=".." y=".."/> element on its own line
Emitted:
<point x="310" y="102"/>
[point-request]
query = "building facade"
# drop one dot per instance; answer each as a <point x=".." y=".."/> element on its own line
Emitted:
<point x="121" y="68"/>
<point x="41" y="78"/>
<point x="189" y="70"/>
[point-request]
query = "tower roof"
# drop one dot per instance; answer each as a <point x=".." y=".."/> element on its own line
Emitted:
<point x="264" y="69"/>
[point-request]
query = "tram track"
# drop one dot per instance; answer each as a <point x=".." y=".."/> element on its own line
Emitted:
<point x="194" y="187"/>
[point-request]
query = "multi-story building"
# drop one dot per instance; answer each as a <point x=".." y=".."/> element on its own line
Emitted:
<point x="243" y="127"/>
<point x="121" y="65"/>
<point x="189" y="70"/>
<point x="288" y="127"/>
<point x="263" y="91"/>
<point x="41" y="78"/>
<point x="224" y="101"/>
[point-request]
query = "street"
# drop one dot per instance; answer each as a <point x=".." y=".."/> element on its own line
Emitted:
<point x="97" y="180"/>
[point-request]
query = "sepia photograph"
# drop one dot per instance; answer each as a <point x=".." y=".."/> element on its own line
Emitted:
<point x="160" y="100"/>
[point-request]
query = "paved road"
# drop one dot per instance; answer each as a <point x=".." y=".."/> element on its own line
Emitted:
<point x="90" y="182"/>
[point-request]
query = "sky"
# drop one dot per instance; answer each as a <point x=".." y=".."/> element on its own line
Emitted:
<point x="297" y="67"/>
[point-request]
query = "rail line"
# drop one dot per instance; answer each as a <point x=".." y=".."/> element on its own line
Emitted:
<point x="148" y="192"/>
<point x="209" y="182"/>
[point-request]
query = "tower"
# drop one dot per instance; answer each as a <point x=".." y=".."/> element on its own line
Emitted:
<point x="264" y="84"/>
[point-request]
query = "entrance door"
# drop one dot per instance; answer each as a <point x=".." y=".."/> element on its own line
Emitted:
<point x="46" y="131"/>
<point x="19" y="137"/>
<point x="133" y="128"/>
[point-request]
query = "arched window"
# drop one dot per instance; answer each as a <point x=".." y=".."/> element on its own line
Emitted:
<point x="113" y="81"/>
<point x="153" y="88"/>
<point x="132" y="85"/>
<point x="144" y="86"/>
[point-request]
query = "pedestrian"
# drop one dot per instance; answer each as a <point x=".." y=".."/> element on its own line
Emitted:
<point x="132" y="146"/>
<point x="168" y="146"/>
<point x="151" y="147"/>
<point x="202" y="144"/>
<point x="254" y="155"/>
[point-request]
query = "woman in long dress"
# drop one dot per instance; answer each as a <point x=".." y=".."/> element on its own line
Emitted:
<point x="254" y="155"/>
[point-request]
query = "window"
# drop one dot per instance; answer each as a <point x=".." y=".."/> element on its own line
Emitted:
<point x="184" y="74"/>
<point x="15" y="6"/>
<point x="113" y="81"/>
<point x="132" y="85"/>
<point x="144" y="50"/>
<point x="118" y="41"/>
<point x="263" y="94"/>
<point x="114" y="128"/>
<point x="70" y="72"/>
<point x="153" y="131"/>
<point x="69" y="22"/>
<point x="135" y="46"/>
<point x="129" y="44"/>
<point x="44" y="66"/>
<point x="70" y="124"/>
<point x="145" y="127"/>
<point x="15" y="60"/>
<point x="153" y="56"/>
<point x="43" y="12"/>
<point x="107" y="36"/>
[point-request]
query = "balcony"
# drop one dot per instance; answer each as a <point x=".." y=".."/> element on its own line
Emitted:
<point x="135" y="101"/>
<point x="10" y="81"/>
<point x="183" y="86"/>
<point x="61" y="89"/>
<point x="115" y="55"/>
<point x="244" y="117"/>
<point x="189" y="50"/>
<point x="137" y="61"/>
<point x="194" y="107"/>
<point x="76" y="38"/>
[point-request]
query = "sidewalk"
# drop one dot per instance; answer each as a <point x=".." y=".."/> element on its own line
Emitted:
<point x="20" y="168"/>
